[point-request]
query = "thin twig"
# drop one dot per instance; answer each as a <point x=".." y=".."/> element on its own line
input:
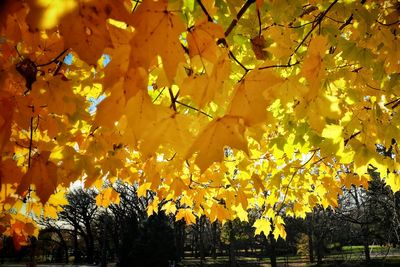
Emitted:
<point x="54" y="60"/>
<point x="335" y="20"/>
<point x="238" y="16"/>
<point x="393" y="101"/>
<point x="30" y="140"/>
<point x="291" y="179"/>
<point x="318" y="22"/>
<point x="162" y="90"/>
<point x="280" y="66"/>
<point x="58" y="68"/>
<point x="346" y="141"/>
<point x="238" y="62"/>
<point x="209" y="18"/>
<point x="388" y="24"/>
<point x="347" y="22"/>
<point x="291" y="26"/>
<point x="173" y="98"/>
<point x="196" y="109"/>
<point x="136" y="5"/>
<point x="259" y="22"/>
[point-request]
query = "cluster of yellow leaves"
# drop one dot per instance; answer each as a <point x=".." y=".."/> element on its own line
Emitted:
<point x="275" y="111"/>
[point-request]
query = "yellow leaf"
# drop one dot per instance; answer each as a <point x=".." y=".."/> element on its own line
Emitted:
<point x="332" y="131"/>
<point x="58" y="199"/>
<point x="279" y="231"/>
<point x="204" y="87"/>
<point x="170" y="130"/>
<point x="222" y="132"/>
<point x="142" y="190"/>
<point x="186" y="214"/>
<point x="140" y="113"/>
<point x="50" y="211"/>
<point x="241" y="213"/>
<point x="393" y="180"/>
<point x="253" y="96"/>
<point x="262" y="225"/>
<point x="313" y="65"/>
<point x="153" y="206"/>
<point x="169" y="207"/>
<point x="279" y="228"/>
<point x="46" y="14"/>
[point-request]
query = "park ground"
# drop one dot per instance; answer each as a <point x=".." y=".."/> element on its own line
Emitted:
<point x="349" y="256"/>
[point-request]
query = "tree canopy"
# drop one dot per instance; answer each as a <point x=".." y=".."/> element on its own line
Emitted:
<point x="209" y="107"/>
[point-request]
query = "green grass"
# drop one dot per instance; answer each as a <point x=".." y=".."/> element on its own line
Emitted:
<point x="350" y="256"/>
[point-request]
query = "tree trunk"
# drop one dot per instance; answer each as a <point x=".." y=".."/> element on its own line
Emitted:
<point x="365" y="233"/>
<point x="366" y="252"/>
<point x="77" y="255"/>
<point x="310" y="240"/>
<point x="320" y="251"/>
<point x="89" y="244"/>
<point x="272" y="248"/>
<point x="232" y="255"/>
<point x="214" y="240"/>
<point x="201" y="240"/>
<point x="32" y="260"/>
<point x="103" y="262"/>
<point x="64" y="245"/>
<point x="179" y="227"/>
<point x="117" y="244"/>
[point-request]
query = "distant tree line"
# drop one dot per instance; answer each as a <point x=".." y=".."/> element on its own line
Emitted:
<point x="123" y="233"/>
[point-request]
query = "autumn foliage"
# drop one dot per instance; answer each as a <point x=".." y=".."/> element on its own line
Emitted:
<point x="217" y="107"/>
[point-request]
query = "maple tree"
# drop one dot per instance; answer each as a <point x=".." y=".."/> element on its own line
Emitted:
<point x="212" y="107"/>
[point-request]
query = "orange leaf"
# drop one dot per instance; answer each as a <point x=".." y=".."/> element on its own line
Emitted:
<point x="106" y="197"/>
<point x="85" y="31"/>
<point x="203" y="88"/>
<point x="202" y="39"/>
<point x="253" y="96"/>
<point x="10" y="173"/>
<point x="43" y="174"/>
<point x="157" y="32"/>
<point x="6" y="116"/>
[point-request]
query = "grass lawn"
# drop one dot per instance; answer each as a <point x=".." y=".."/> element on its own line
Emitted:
<point x="350" y="256"/>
